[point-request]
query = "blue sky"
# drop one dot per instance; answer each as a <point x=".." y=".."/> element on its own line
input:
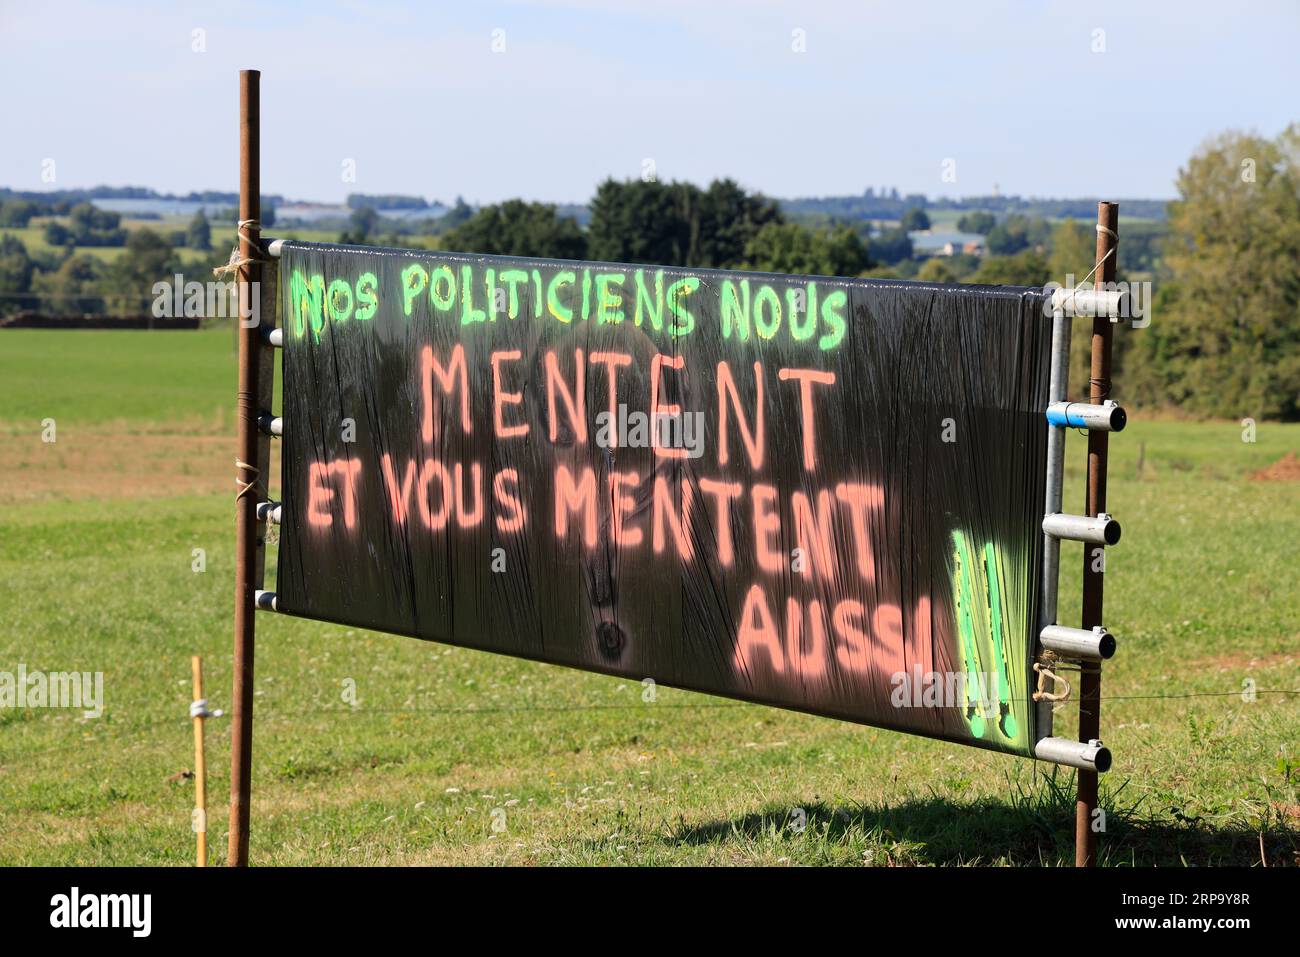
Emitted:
<point x="881" y="94"/>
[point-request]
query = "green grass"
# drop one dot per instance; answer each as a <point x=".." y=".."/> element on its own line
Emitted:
<point x="574" y="767"/>
<point x="145" y="380"/>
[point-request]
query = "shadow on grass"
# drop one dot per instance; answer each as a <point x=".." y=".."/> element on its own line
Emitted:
<point x="1031" y="829"/>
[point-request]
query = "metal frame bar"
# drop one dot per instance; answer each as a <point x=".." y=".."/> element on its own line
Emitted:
<point x="1056" y="392"/>
<point x="1096" y="529"/>
<point x="1096" y="303"/>
<point x="1095" y="645"/>
<point x="1107" y="417"/>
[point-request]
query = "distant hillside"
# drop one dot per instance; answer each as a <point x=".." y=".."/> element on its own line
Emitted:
<point x="73" y="196"/>
<point x="815" y="210"/>
<point x="892" y="205"/>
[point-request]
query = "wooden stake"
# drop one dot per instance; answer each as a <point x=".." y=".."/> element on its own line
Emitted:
<point x="200" y="765"/>
<point x="251" y="471"/>
<point x="1085" y="838"/>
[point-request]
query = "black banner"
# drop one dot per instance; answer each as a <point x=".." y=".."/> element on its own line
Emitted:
<point x="820" y="494"/>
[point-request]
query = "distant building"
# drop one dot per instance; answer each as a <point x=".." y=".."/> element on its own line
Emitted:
<point x="931" y="243"/>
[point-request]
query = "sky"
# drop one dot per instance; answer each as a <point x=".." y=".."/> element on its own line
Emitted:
<point x="544" y="99"/>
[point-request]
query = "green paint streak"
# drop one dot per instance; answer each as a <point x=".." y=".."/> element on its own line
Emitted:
<point x="337" y="289"/>
<point x="767" y="329"/>
<point x="805" y="330"/>
<point x="557" y="309"/>
<point x="468" y="314"/>
<point x="654" y="308"/>
<point x="609" y="302"/>
<point x="367" y="296"/>
<point x="986" y="633"/>
<point x="414" y="280"/>
<point x="443" y="276"/>
<point x="684" y="322"/>
<point x="735" y="309"/>
<point x="966" y="628"/>
<point x="308" y="303"/>
<point x="833" y="316"/>
<point x="998" y="633"/>
<point x="511" y="278"/>
<point x="490" y="284"/>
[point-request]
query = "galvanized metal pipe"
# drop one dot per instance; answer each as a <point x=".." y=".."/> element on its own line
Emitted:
<point x="1085" y="755"/>
<point x="1097" y="303"/>
<point x="1095" y="645"/>
<point x="1058" y="383"/>
<point x="1107" y="417"/>
<point x="1095" y="529"/>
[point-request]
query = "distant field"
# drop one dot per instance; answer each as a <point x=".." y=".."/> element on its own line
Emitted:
<point x="33" y="237"/>
<point x="97" y="533"/>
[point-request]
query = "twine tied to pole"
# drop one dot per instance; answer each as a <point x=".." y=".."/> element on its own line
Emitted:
<point x="245" y="488"/>
<point x="1045" y="674"/>
<point x="236" y="261"/>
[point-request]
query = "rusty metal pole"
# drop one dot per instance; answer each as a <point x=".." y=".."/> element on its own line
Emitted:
<point x="247" y="474"/>
<point x="1085" y="838"/>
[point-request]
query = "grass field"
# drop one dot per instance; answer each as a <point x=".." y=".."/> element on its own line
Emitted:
<point x="452" y="756"/>
<point x="33" y="236"/>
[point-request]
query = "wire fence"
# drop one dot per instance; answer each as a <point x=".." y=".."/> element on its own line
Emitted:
<point x="265" y="712"/>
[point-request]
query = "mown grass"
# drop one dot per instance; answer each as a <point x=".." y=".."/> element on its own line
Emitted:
<point x="136" y="380"/>
<point x="452" y="756"/>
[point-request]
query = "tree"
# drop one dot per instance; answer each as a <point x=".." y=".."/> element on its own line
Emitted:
<point x="16" y="271"/>
<point x="91" y="226"/>
<point x="148" y="259"/>
<point x="459" y="213"/>
<point x="360" y="225"/>
<point x="790" y="248"/>
<point x="676" y="224"/>
<point x="729" y="218"/>
<point x="199" y="234"/>
<point x="890" y="246"/>
<point x="76" y="287"/>
<point x="1229" y="343"/>
<point x="641" y="222"/>
<point x="1016" y="233"/>
<point x="56" y="234"/>
<point x="977" y="222"/>
<point x="1027" y="268"/>
<point x="517" y="228"/>
<point x="962" y="265"/>
<point x="937" y="269"/>
<point x="18" y="212"/>
<point x="914" y="220"/>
